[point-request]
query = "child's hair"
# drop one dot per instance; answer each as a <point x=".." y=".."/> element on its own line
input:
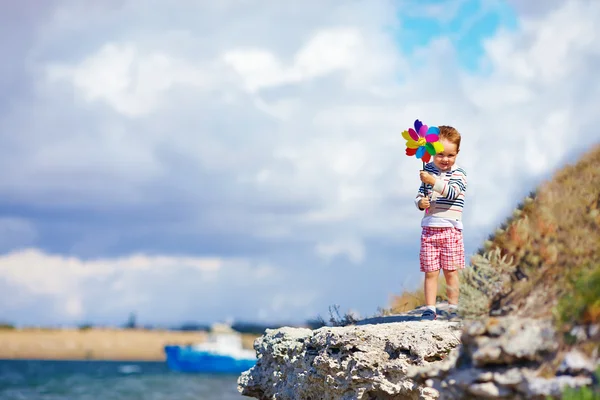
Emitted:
<point x="450" y="134"/>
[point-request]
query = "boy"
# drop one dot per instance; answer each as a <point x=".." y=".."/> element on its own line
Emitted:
<point x="442" y="199"/>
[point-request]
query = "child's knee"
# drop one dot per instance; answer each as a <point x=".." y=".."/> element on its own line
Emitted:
<point x="432" y="274"/>
<point x="451" y="275"/>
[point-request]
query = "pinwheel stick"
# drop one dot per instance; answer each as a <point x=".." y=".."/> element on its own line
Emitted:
<point x="424" y="185"/>
<point x="422" y="142"/>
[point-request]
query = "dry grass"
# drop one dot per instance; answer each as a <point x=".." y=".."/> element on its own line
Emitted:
<point x="409" y="300"/>
<point x="248" y="340"/>
<point x="552" y="239"/>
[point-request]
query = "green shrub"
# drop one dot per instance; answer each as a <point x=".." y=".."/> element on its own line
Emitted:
<point x="583" y="393"/>
<point x="482" y="281"/>
<point x="581" y="303"/>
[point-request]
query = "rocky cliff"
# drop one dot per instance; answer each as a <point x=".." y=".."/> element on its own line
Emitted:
<point x="369" y="361"/>
<point x="400" y="357"/>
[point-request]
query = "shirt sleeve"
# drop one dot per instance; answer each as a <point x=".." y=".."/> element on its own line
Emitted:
<point x="453" y="188"/>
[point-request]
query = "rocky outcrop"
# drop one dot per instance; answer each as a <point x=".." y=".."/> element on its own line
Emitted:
<point x="500" y="358"/>
<point x="505" y="358"/>
<point x="368" y="361"/>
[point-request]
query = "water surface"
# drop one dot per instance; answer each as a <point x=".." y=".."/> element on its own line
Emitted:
<point x="99" y="380"/>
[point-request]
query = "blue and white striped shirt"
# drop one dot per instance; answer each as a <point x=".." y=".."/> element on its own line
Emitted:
<point x="447" y="197"/>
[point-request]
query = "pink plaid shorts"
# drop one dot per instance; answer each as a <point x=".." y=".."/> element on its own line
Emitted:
<point x="441" y="248"/>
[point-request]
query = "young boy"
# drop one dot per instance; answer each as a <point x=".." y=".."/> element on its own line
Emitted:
<point x="442" y="199"/>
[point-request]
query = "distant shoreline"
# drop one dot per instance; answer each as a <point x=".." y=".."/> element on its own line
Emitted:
<point x="95" y="344"/>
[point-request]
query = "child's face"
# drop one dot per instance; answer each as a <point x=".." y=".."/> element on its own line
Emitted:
<point x="446" y="159"/>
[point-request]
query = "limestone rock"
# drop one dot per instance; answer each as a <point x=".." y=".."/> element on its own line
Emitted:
<point x="500" y="358"/>
<point x="576" y="363"/>
<point x="497" y="358"/>
<point x="355" y="362"/>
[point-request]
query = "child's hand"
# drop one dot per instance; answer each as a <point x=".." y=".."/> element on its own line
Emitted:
<point x="426" y="177"/>
<point x="424" y="203"/>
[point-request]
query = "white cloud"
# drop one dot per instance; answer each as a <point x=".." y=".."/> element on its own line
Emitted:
<point x="56" y="274"/>
<point x="273" y="134"/>
<point x="352" y="248"/>
<point x="79" y="289"/>
<point x="542" y="54"/>
<point x="132" y="83"/>
<point x="326" y="52"/>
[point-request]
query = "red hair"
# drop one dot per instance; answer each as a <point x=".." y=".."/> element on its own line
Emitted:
<point x="450" y="134"/>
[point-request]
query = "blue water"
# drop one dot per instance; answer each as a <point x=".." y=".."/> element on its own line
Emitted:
<point x="101" y="380"/>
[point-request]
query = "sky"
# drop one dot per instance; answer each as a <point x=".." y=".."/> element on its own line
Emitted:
<point x="243" y="160"/>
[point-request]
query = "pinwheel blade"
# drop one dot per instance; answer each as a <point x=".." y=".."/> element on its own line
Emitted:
<point x="430" y="149"/>
<point x="418" y="125"/>
<point x="411" y="144"/>
<point x="432" y="138"/>
<point x="426" y="157"/>
<point x="438" y="147"/>
<point x="406" y="135"/>
<point x="433" y="130"/>
<point x="411" y="152"/>
<point x="423" y="131"/>
<point x="420" y="151"/>
<point x="413" y="134"/>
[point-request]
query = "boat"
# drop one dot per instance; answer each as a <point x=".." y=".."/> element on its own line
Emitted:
<point x="221" y="353"/>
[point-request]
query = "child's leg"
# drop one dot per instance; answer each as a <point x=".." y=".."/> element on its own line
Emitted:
<point x="453" y="260"/>
<point x="452" y="286"/>
<point x="430" y="287"/>
<point x="430" y="264"/>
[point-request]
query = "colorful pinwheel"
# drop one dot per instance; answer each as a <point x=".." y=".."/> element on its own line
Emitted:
<point x="422" y="141"/>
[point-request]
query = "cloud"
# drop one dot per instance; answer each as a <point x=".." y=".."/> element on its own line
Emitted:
<point x="131" y="83"/>
<point x="353" y="249"/>
<point x="328" y="51"/>
<point x="71" y="290"/>
<point x="265" y="134"/>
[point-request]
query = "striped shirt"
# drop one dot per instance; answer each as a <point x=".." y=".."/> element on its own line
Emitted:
<point x="447" y="197"/>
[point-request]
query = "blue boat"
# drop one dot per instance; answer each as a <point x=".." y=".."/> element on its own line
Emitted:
<point x="222" y="353"/>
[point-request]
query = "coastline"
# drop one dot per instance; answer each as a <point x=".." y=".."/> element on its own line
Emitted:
<point x="106" y="344"/>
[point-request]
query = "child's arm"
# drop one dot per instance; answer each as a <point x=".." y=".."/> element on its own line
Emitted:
<point x="417" y="200"/>
<point x="422" y="203"/>
<point x="421" y="196"/>
<point x="452" y="189"/>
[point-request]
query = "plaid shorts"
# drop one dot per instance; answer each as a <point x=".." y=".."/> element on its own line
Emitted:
<point x="441" y="248"/>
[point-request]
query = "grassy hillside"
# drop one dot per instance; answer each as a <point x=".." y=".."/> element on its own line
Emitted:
<point x="544" y="261"/>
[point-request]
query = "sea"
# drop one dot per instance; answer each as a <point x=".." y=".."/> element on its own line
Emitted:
<point x="109" y="380"/>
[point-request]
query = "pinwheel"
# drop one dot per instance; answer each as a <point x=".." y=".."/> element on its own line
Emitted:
<point x="423" y="142"/>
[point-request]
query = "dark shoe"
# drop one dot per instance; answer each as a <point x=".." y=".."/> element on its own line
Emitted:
<point x="428" y="315"/>
<point x="453" y="316"/>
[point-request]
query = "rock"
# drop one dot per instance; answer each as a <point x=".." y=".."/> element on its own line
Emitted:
<point x="507" y="340"/>
<point x="510" y="377"/>
<point x="594" y="331"/>
<point x="353" y="362"/>
<point x="512" y="350"/>
<point x="497" y="358"/>
<point x="579" y="333"/>
<point x="576" y="363"/>
<point x="488" y="390"/>
<point x="541" y="387"/>
<point x="475" y="328"/>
